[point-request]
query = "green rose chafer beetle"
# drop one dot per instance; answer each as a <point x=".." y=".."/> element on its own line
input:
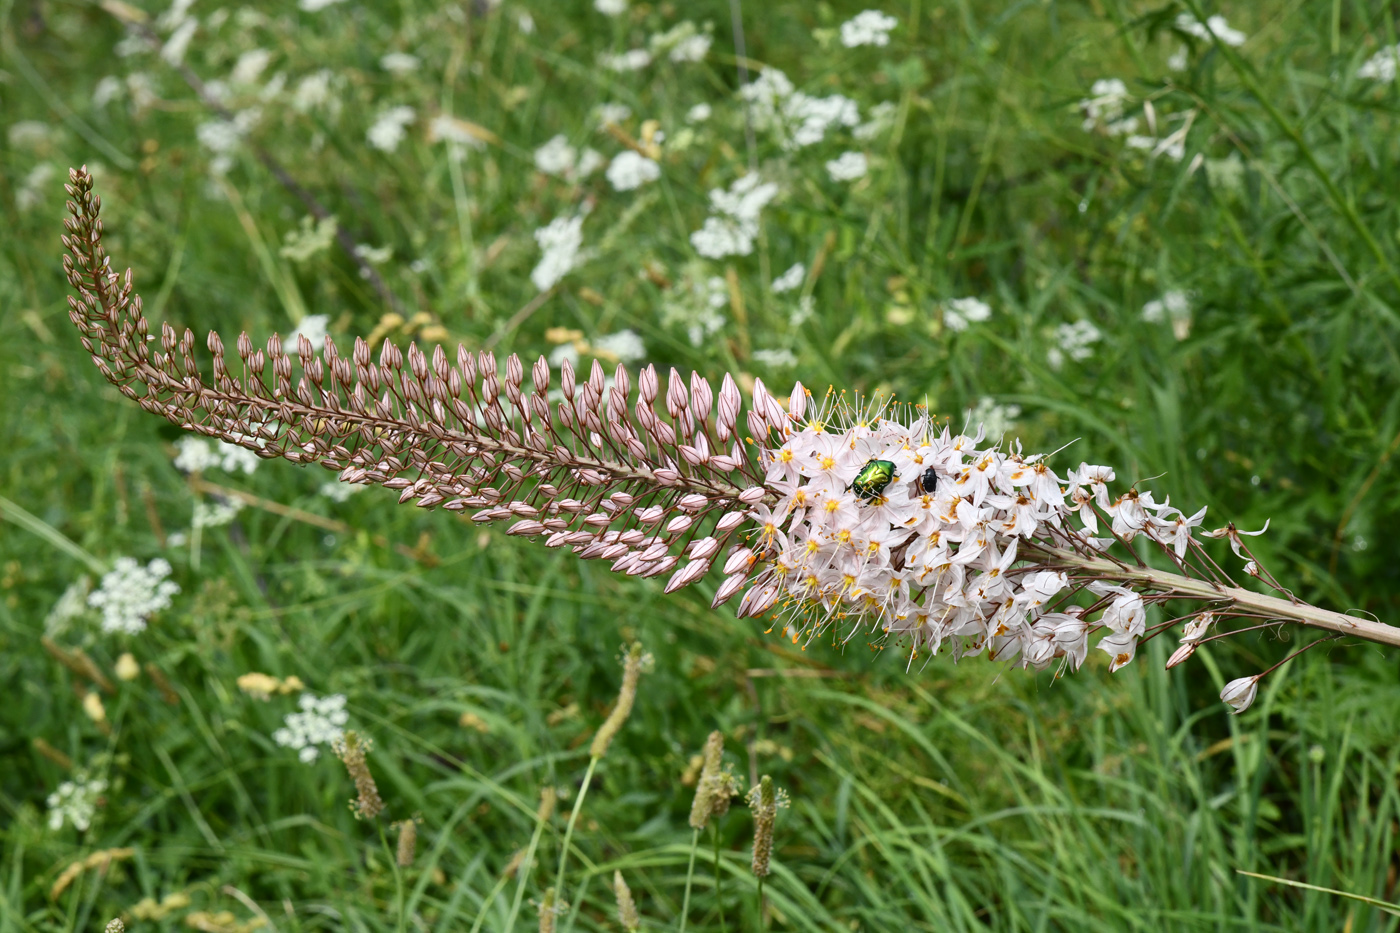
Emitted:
<point x="872" y="479"/>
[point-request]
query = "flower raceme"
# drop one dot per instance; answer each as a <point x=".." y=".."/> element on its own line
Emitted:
<point x="944" y="542"/>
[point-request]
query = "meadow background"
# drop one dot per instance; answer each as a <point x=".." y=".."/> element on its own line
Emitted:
<point x="1207" y="296"/>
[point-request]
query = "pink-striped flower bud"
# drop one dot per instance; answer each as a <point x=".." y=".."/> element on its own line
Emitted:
<point x="728" y="589"/>
<point x="654" y="551"/>
<point x="527" y="527"/>
<point x="679" y="524"/>
<point x="797" y="402"/>
<point x="758" y="600"/>
<point x="692" y="502"/>
<point x="701" y="396"/>
<point x="1181" y="654"/>
<point x="703" y="549"/>
<point x="693" y="456"/>
<point x="729" y="521"/>
<point x="566" y="379"/>
<point x="687" y="575"/>
<point x="740" y="559"/>
<point x="752" y="495"/>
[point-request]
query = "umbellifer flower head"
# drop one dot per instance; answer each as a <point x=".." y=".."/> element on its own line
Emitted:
<point x="847" y="519"/>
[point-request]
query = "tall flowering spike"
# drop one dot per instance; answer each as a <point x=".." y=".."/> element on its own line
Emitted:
<point x="706" y="785"/>
<point x="765" y="800"/>
<point x="631" y="675"/>
<point x="353" y="749"/>
<point x="856" y="519"/>
<point x="626" y="906"/>
<point x="408" y="843"/>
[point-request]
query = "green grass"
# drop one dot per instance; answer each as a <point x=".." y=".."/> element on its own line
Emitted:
<point x="943" y="798"/>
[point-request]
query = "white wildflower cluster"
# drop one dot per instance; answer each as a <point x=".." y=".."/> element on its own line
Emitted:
<point x="798" y="119"/>
<point x="778" y="358"/>
<point x="1216" y="26"/>
<point x="610" y="7"/>
<point x="1173" y="146"/>
<point x="311" y="238"/>
<point x="560" y="241"/>
<point x="399" y="63"/>
<point x="848" y="166"/>
<point x="1173" y="307"/>
<point x="313" y="327"/>
<point x="32" y="189"/>
<point x="895" y="526"/>
<point x="630" y="170"/>
<point x="681" y="43"/>
<point x="71" y="605"/>
<point x="995" y="417"/>
<point x="129" y="594"/>
<point x="631" y="60"/>
<point x="1074" y="340"/>
<point x="1103" y="109"/>
<point x="625" y="346"/>
<point x="959" y="313"/>
<point x="880" y="118"/>
<point x="557" y="157"/>
<point x="791" y="279"/>
<point x="390" y="127"/>
<point x="317" y="91"/>
<point x="197" y="454"/>
<point x="215" y="515"/>
<point x="611" y="112"/>
<point x="1381" y="67"/>
<point x="732" y="226"/>
<point x="75" y="802"/>
<point x="320" y="722"/>
<point x="868" y="28"/>
<point x="223" y="137"/>
<point x="697" y="305"/>
<point x="249" y="67"/>
<point x="337" y="491"/>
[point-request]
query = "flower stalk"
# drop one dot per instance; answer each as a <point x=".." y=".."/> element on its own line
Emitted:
<point x="841" y="520"/>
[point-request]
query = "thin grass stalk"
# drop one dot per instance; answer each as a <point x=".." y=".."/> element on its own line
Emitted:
<point x="522" y="877"/>
<point x="573" y="819"/>
<point x="689" y="878"/>
<point x="719" y="899"/>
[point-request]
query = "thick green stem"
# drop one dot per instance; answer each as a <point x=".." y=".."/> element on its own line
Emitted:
<point x="1257" y="604"/>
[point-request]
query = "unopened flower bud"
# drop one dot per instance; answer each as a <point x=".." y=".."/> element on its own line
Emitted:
<point x="1239" y="693"/>
<point x="1181" y="654"/>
